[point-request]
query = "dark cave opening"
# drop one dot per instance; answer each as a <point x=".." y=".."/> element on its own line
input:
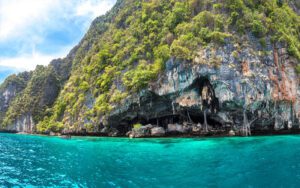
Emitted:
<point x="209" y="102"/>
<point x="206" y="91"/>
<point x="199" y="118"/>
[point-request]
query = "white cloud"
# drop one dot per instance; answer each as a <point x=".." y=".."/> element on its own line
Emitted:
<point x="17" y="16"/>
<point x="28" y="21"/>
<point x="29" y="61"/>
<point x="93" y="8"/>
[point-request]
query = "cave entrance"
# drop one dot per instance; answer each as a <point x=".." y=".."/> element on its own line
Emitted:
<point x="208" y="103"/>
<point x="199" y="118"/>
<point x="162" y="121"/>
<point x="207" y="96"/>
<point x="165" y="120"/>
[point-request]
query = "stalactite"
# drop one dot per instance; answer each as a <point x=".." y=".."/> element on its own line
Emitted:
<point x="205" y="121"/>
<point x="246" y="125"/>
<point x="173" y="107"/>
<point x="139" y="102"/>
<point x="190" y="119"/>
<point x="292" y="113"/>
<point x="276" y="116"/>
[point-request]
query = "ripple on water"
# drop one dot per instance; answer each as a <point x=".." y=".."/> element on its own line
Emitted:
<point x="168" y="162"/>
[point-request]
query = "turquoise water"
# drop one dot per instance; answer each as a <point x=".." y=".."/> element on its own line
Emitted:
<point x="28" y="161"/>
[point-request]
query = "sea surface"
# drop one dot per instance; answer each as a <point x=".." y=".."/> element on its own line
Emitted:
<point x="40" y="161"/>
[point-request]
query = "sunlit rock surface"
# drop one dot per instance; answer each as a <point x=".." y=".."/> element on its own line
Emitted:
<point x="263" y="89"/>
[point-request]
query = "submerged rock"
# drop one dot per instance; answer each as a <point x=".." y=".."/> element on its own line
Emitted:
<point x="54" y="134"/>
<point x="66" y="136"/>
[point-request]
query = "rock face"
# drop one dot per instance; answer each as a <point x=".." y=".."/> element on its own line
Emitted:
<point x="41" y="92"/>
<point x="175" y="128"/>
<point x="144" y="131"/>
<point x="158" y="132"/>
<point x="22" y="124"/>
<point x="32" y="93"/>
<point x="248" y="89"/>
<point x="12" y="86"/>
<point x="295" y="4"/>
<point x="178" y="129"/>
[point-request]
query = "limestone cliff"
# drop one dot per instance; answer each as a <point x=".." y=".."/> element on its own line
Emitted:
<point x="295" y="5"/>
<point x="161" y="68"/>
<point x="9" y="90"/>
<point x="264" y="87"/>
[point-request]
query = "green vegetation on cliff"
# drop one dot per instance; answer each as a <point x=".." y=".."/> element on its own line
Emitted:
<point x="10" y="89"/>
<point x="33" y="99"/>
<point x="127" y="49"/>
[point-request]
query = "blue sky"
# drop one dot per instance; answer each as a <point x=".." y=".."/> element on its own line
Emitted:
<point x="33" y="32"/>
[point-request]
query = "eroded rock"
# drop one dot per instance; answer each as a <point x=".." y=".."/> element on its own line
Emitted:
<point x="158" y="131"/>
<point x="231" y="133"/>
<point x="143" y="131"/>
<point x="175" y="128"/>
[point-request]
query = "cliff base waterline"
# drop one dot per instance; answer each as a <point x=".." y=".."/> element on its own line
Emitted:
<point x="133" y="134"/>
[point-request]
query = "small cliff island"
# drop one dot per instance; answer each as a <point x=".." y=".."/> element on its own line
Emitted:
<point x="161" y="68"/>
